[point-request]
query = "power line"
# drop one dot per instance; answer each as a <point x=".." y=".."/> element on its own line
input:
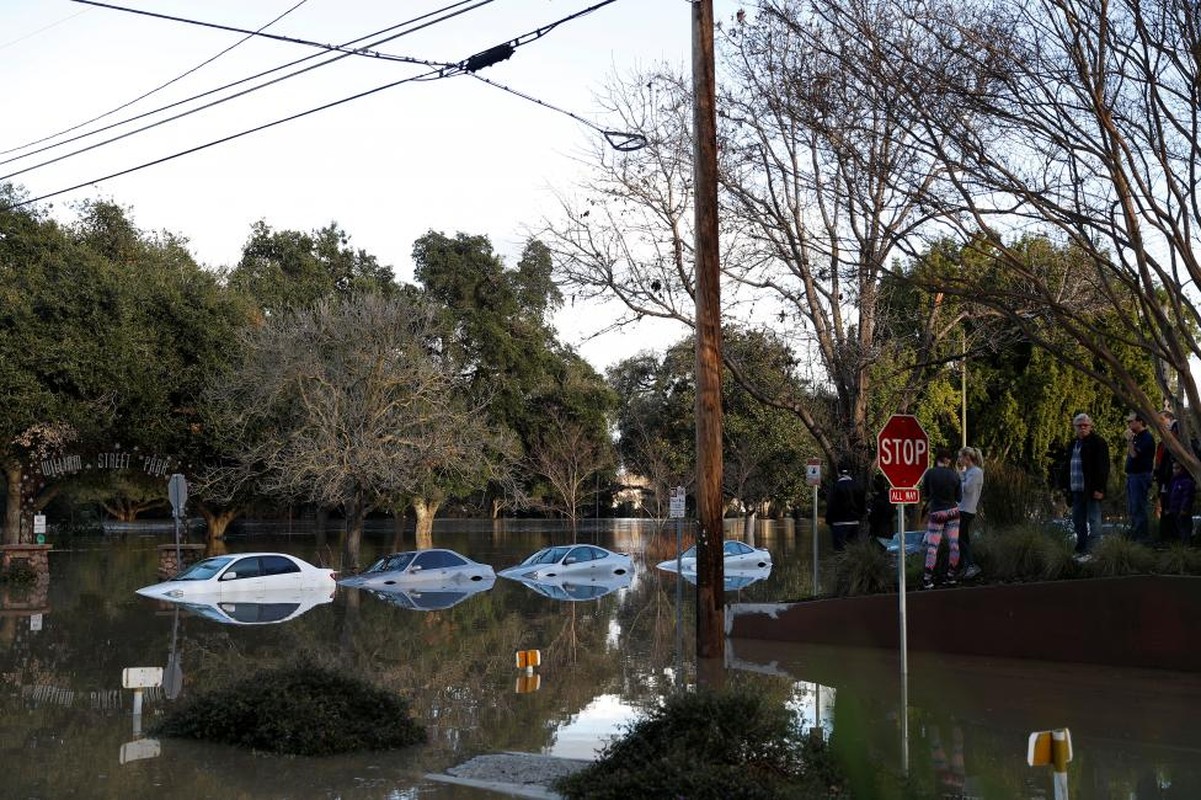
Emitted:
<point x="411" y="22"/>
<point x="155" y="90"/>
<point x="355" y="51"/>
<point x="476" y="62"/>
<point x="422" y="18"/>
<point x="42" y="29"/>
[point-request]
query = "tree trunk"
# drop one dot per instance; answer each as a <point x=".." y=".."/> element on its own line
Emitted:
<point x="321" y="523"/>
<point x="216" y="522"/>
<point x="425" y="511"/>
<point x="355" y="511"/>
<point x="12" y="513"/>
<point x="398" y="531"/>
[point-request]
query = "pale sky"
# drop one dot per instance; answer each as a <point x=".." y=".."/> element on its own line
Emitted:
<point x="450" y="155"/>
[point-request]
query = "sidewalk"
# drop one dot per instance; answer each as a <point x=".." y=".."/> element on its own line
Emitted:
<point x="515" y="774"/>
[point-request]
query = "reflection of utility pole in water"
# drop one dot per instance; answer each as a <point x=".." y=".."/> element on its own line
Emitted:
<point x="177" y="492"/>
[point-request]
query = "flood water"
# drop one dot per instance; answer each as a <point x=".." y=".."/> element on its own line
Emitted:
<point x="67" y="728"/>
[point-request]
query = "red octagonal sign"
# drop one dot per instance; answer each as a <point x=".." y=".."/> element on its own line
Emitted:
<point x="903" y="450"/>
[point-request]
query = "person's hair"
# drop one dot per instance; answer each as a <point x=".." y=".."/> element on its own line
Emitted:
<point x="1136" y="415"/>
<point x="974" y="454"/>
<point x="943" y="454"/>
<point x="1168" y="414"/>
<point x="1081" y="417"/>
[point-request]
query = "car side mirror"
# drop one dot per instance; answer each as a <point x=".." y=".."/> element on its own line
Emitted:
<point x="229" y="576"/>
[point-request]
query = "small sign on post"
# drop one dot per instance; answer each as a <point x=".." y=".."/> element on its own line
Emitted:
<point x="677" y="502"/>
<point x="813" y="472"/>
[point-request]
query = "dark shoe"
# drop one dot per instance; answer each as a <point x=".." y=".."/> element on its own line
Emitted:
<point x="952" y="578"/>
<point x="928" y="582"/>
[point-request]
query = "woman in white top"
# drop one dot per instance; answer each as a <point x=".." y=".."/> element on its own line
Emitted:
<point x="972" y="476"/>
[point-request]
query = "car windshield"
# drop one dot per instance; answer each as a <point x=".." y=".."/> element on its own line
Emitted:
<point x="551" y="555"/>
<point x="203" y="570"/>
<point x="392" y="563"/>
<point x="689" y="553"/>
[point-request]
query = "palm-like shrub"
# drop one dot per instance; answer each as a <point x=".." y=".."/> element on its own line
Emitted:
<point x="864" y="567"/>
<point x="1117" y="555"/>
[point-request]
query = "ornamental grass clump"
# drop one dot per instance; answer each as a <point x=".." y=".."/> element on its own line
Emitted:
<point x="298" y="709"/>
<point x="863" y="567"/>
<point x="1179" y="559"/>
<point x="1117" y="555"/>
<point x="1026" y="553"/>
<point x="733" y="744"/>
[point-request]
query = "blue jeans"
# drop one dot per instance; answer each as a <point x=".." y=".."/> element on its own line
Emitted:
<point x="1086" y="518"/>
<point x="1138" y="485"/>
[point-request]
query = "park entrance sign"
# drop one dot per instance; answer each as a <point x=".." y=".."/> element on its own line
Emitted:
<point x="903" y="451"/>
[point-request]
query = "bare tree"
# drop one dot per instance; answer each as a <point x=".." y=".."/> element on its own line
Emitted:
<point x="1086" y="132"/>
<point x="816" y="168"/>
<point x="567" y="457"/>
<point x="350" y="405"/>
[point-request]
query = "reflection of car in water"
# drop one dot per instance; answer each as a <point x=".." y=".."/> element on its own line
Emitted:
<point x="735" y="578"/>
<point x="577" y="588"/>
<point x="571" y="559"/>
<point x="269" y="608"/>
<point x="431" y="596"/>
<point x="242" y="576"/>
<point x="735" y="555"/>
<point x="424" y="568"/>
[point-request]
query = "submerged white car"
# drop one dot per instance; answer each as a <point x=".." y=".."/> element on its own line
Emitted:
<point x="570" y="559"/>
<point x="434" y="566"/>
<point x="735" y="554"/>
<point x="242" y="575"/>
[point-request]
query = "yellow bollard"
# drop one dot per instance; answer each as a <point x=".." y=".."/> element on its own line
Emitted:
<point x="528" y="659"/>
<point x="1053" y="749"/>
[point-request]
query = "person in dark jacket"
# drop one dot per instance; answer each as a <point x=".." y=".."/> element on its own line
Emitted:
<point x="943" y="491"/>
<point x="1140" y="466"/>
<point x="845" y="509"/>
<point x="1181" y="492"/>
<point x="1163" y="477"/>
<point x="1085" y="478"/>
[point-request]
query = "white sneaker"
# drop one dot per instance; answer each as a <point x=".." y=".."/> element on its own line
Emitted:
<point x="971" y="572"/>
<point x="1082" y="558"/>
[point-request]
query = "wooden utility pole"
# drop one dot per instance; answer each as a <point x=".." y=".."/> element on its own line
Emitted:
<point x="710" y="573"/>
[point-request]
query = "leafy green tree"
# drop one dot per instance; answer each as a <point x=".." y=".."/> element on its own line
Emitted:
<point x="289" y="269"/>
<point x="497" y="332"/>
<point x="108" y="336"/>
<point x="765" y="447"/>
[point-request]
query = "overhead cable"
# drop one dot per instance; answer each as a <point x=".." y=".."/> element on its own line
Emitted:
<point x="156" y="89"/>
<point x="422" y="18"/>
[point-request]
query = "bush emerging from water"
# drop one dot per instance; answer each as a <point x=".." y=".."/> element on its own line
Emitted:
<point x="732" y="744"/>
<point x="299" y="709"/>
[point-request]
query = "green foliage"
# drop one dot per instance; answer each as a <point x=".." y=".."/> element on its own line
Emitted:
<point x="864" y="567"/>
<point x="1118" y="555"/>
<point x="1012" y="496"/>
<point x="726" y="745"/>
<point x="300" y="709"/>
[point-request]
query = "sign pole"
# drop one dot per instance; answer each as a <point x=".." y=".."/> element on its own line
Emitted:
<point x="903" y="453"/>
<point x="813" y="476"/>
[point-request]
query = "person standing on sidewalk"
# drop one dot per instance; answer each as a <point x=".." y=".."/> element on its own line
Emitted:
<point x="844" y="512"/>
<point x="943" y="491"/>
<point x="1140" y="461"/>
<point x="1085" y="477"/>
<point x="972" y="480"/>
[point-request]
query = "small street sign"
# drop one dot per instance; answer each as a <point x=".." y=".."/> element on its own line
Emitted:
<point x="903" y="451"/>
<point x="39" y="523"/>
<point x="904" y="496"/>
<point x="678" y="499"/>
<point x="177" y="492"/>
<point x="813" y="472"/>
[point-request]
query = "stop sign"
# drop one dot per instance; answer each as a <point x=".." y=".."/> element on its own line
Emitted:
<point x="903" y="450"/>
